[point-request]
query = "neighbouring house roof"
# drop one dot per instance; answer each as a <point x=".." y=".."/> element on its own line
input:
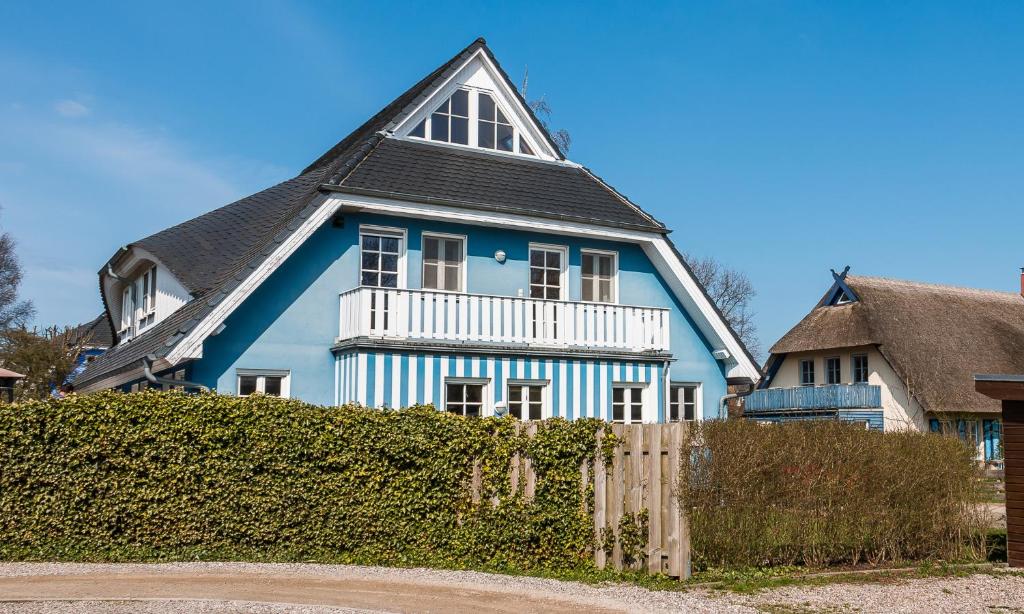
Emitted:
<point x="213" y="253"/>
<point x="8" y="374"/>
<point x="935" y="337"/>
<point x="95" y="333"/>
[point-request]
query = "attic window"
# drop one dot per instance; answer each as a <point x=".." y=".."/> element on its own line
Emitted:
<point x="450" y="121"/>
<point x="472" y="117"/>
<point x="842" y="298"/>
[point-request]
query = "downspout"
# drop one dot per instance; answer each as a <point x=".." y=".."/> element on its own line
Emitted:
<point x="722" y="409"/>
<point x="147" y="363"/>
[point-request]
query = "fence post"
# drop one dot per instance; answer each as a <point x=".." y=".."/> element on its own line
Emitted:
<point x="600" y="501"/>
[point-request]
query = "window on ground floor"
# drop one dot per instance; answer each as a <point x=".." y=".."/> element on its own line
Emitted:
<point x="627" y="404"/>
<point x="682" y="403"/>
<point x="273" y="383"/>
<point x="526" y="400"/>
<point x="464" y="397"/>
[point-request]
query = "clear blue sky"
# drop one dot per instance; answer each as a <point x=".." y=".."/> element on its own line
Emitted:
<point x="781" y="138"/>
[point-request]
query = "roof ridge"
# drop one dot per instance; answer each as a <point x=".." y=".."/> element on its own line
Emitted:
<point x="923" y="285"/>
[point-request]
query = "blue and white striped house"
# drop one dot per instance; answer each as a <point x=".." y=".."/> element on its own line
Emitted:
<point x="444" y="252"/>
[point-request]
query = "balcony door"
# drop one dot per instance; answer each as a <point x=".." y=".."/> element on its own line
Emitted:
<point x="382" y="259"/>
<point x="547" y="282"/>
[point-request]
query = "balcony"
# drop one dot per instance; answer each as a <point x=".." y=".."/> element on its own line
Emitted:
<point x="833" y="396"/>
<point x="447" y="317"/>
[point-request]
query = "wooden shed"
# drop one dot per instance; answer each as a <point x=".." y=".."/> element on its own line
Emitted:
<point x="1010" y="390"/>
<point x="7" y="380"/>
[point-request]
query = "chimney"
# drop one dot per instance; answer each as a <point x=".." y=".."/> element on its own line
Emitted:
<point x="1022" y="280"/>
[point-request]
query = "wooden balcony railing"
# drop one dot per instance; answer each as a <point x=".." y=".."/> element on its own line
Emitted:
<point x="833" y="396"/>
<point x="472" y="318"/>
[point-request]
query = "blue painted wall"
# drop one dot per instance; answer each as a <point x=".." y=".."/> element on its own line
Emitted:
<point x="291" y="321"/>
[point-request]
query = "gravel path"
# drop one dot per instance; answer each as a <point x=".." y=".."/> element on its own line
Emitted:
<point x="46" y="588"/>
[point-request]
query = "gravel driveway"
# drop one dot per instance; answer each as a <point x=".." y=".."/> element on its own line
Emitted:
<point x="315" y="589"/>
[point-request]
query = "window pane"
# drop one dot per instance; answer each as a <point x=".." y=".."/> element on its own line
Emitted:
<point x="371" y="260"/>
<point x="606" y="266"/>
<point x="554" y="259"/>
<point x="371" y="242"/>
<point x="460" y="130"/>
<point x="637" y="411"/>
<point x="430" y="249"/>
<point x="485" y="134"/>
<point x="536" y="258"/>
<point x="673" y="411"/>
<point x="460" y="103"/>
<point x="535" y="392"/>
<point x="474" y="393"/>
<point x="451" y="278"/>
<point x="389" y="263"/>
<point x="523" y="147"/>
<point x="618" y="412"/>
<point x="453" y="250"/>
<point x="430" y="276"/>
<point x="536" y="292"/>
<point x="439" y="127"/>
<point x="588" y="264"/>
<point x="454" y="392"/>
<point x="553" y="293"/>
<point x="472" y="411"/>
<point x="588" y="288"/>
<point x="389" y="244"/>
<point x="689" y="394"/>
<point x="388" y="280"/>
<point x="272" y="385"/>
<point x="444" y="106"/>
<point x="515" y="393"/>
<point x="504" y="137"/>
<point x="535" y="411"/>
<point x="515" y="409"/>
<point x="486" y="107"/>
<point x="246" y="385"/>
<point x="501" y="116"/>
<point x="606" y="291"/>
<point x="420" y="130"/>
<point x="370" y="279"/>
<point x="618" y="394"/>
<point x="536" y="276"/>
<point x="553" y="277"/>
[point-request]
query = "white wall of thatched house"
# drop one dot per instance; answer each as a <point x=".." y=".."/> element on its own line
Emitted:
<point x="900" y="410"/>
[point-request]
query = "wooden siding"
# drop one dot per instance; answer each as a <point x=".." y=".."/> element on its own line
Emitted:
<point x="836" y="396"/>
<point x="1013" y="447"/>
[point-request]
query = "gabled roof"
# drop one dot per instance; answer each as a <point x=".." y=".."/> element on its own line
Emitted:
<point x="935" y="337"/>
<point x="95" y="333"/>
<point x="213" y="253"/>
<point x="418" y="171"/>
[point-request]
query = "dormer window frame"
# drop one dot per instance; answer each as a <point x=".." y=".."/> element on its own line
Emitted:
<point x="423" y="130"/>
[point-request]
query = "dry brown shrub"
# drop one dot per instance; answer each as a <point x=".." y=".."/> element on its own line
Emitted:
<point x="822" y="493"/>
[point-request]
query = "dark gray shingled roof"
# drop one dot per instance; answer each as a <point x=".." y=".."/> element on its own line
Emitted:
<point x="411" y="170"/>
<point x="213" y="253"/>
<point x="95" y="333"/>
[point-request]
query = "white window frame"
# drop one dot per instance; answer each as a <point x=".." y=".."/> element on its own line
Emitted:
<point x="463" y="266"/>
<point x="545" y="395"/>
<point x="853" y="367"/>
<point x="127" y="312"/>
<point x="425" y="114"/>
<point x="800" y="374"/>
<point x="627" y="414"/>
<point x="615" y="272"/>
<point x="563" y="292"/>
<point x="487" y="397"/>
<point x="403" y="249"/>
<point x="839" y="369"/>
<point x="146" y="301"/>
<point x="698" y="401"/>
<point x="261" y="375"/>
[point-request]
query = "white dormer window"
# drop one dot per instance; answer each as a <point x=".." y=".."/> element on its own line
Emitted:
<point x="472" y="118"/>
<point x="147" y="298"/>
<point x="127" y="312"/>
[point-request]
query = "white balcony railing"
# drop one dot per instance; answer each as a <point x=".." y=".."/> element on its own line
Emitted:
<point x="425" y="315"/>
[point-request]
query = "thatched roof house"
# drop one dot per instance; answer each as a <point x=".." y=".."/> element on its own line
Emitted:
<point x="935" y="338"/>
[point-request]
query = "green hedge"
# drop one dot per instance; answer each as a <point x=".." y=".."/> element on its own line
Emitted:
<point x="163" y="476"/>
<point x="828" y="493"/>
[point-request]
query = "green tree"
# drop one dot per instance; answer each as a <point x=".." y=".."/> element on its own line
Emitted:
<point x="45" y="358"/>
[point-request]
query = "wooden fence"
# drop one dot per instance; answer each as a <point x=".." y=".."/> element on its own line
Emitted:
<point x="643" y="476"/>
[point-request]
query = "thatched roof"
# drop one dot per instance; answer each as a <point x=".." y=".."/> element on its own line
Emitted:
<point x="935" y="337"/>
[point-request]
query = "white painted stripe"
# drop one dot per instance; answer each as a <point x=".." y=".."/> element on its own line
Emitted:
<point x="629" y="372"/>
<point x="563" y="398"/>
<point x="460" y="366"/>
<point x="577" y="410"/>
<point x="428" y="379"/>
<point x="396" y="380"/>
<point x="378" y="381"/>
<point x="520" y="369"/>
<point x="413" y="379"/>
<point x="475" y="366"/>
<point x="604" y="370"/>
<point x="361" y="380"/>
<point x="590" y="390"/>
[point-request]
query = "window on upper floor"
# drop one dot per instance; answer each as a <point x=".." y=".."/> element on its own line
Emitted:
<point x="443" y="262"/>
<point x="472" y="117"/>
<point x="127" y="312"/>
<point x="380" y="255"/>
<point x="147" y="298"/>
<point x="833" y="375"/>
<point x="860" y="368"/>
<point x="547" y="265"/>
<point x="598" y="276"/>
<point x="807" y="372"/>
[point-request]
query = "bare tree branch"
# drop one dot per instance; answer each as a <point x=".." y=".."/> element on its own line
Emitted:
<point x="731" y="292"/>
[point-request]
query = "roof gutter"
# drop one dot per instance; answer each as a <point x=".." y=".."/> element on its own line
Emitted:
<point x="147" y="363"/>
<point x="328" y="187"/>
